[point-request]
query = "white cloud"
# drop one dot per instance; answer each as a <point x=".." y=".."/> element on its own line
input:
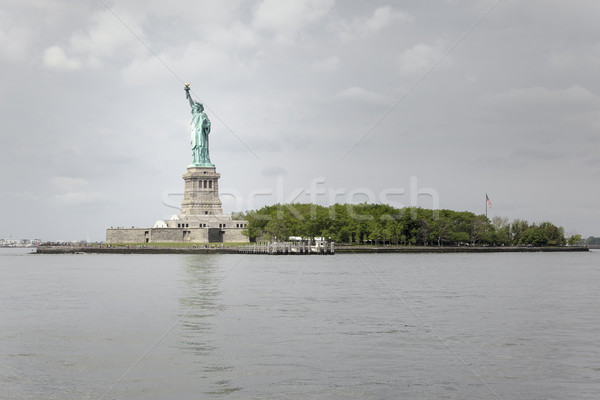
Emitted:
<point x="210" y="57"/>
<point x="55" y="57"/>
<point x="381" y="18"/>
<point x="109" y="33"/>
<point x="285" y="19"/>
<point x="419" y="58"/>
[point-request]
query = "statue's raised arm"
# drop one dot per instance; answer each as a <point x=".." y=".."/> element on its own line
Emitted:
<point x="188" y="96"/>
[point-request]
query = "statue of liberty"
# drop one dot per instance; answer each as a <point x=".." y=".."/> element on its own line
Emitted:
<point x="200" y="128"/>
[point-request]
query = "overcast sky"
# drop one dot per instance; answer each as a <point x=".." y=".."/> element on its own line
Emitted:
<point x="349" y="97"/>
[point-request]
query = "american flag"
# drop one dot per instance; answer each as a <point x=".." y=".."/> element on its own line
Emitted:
<point x="487" y="199"/>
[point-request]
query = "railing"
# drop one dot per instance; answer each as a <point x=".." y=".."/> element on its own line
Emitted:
<point x="289" y="248"/>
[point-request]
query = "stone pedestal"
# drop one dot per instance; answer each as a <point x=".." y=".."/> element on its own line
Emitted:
<point x="201" y="219"/>
<point x="201" y="193"/>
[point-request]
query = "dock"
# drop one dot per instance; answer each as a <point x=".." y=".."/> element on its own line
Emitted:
<point x="289" y="248"/>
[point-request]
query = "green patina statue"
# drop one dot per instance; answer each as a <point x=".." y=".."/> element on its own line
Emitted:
<point x="200" y="128"/>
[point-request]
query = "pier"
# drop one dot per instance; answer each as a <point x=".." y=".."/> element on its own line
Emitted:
<point x="289" y="248"/>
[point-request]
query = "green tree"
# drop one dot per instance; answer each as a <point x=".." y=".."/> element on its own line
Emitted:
<point x="375" y="231"/>
<point x="481" y="230"/>
<point x="534" y="236"/>
<point x="381" y="223"/>
<point x="517" y="229"/>
<point x="441" y="230"/>
<point x="555" y="235"/>
<point x="574" y="240"/>
<point x="502" y="230"/>
<point x="592" y="241"/>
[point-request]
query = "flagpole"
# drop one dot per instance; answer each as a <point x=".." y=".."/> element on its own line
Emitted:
<point x="486" y="205"/>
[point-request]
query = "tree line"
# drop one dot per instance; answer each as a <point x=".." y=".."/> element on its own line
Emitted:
<point x="591" y="241"/>
<point x="381" y="224"/>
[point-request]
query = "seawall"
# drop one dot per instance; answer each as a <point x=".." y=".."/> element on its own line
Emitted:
<point x="338" y="249"/>
<point x="457" y="249"/>
<point x="134" y="250"/>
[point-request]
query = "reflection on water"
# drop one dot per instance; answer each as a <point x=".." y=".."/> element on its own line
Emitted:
<point x="201" y="295"/>
<point x="202" y="304"/>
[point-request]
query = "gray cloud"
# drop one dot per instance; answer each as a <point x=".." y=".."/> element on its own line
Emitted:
<point x="95" y="124"/>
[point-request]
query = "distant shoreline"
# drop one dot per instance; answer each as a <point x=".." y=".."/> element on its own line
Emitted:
<point x="217" y="249"/>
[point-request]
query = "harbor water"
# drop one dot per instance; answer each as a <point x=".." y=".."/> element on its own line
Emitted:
<point x="234" y="326"/>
